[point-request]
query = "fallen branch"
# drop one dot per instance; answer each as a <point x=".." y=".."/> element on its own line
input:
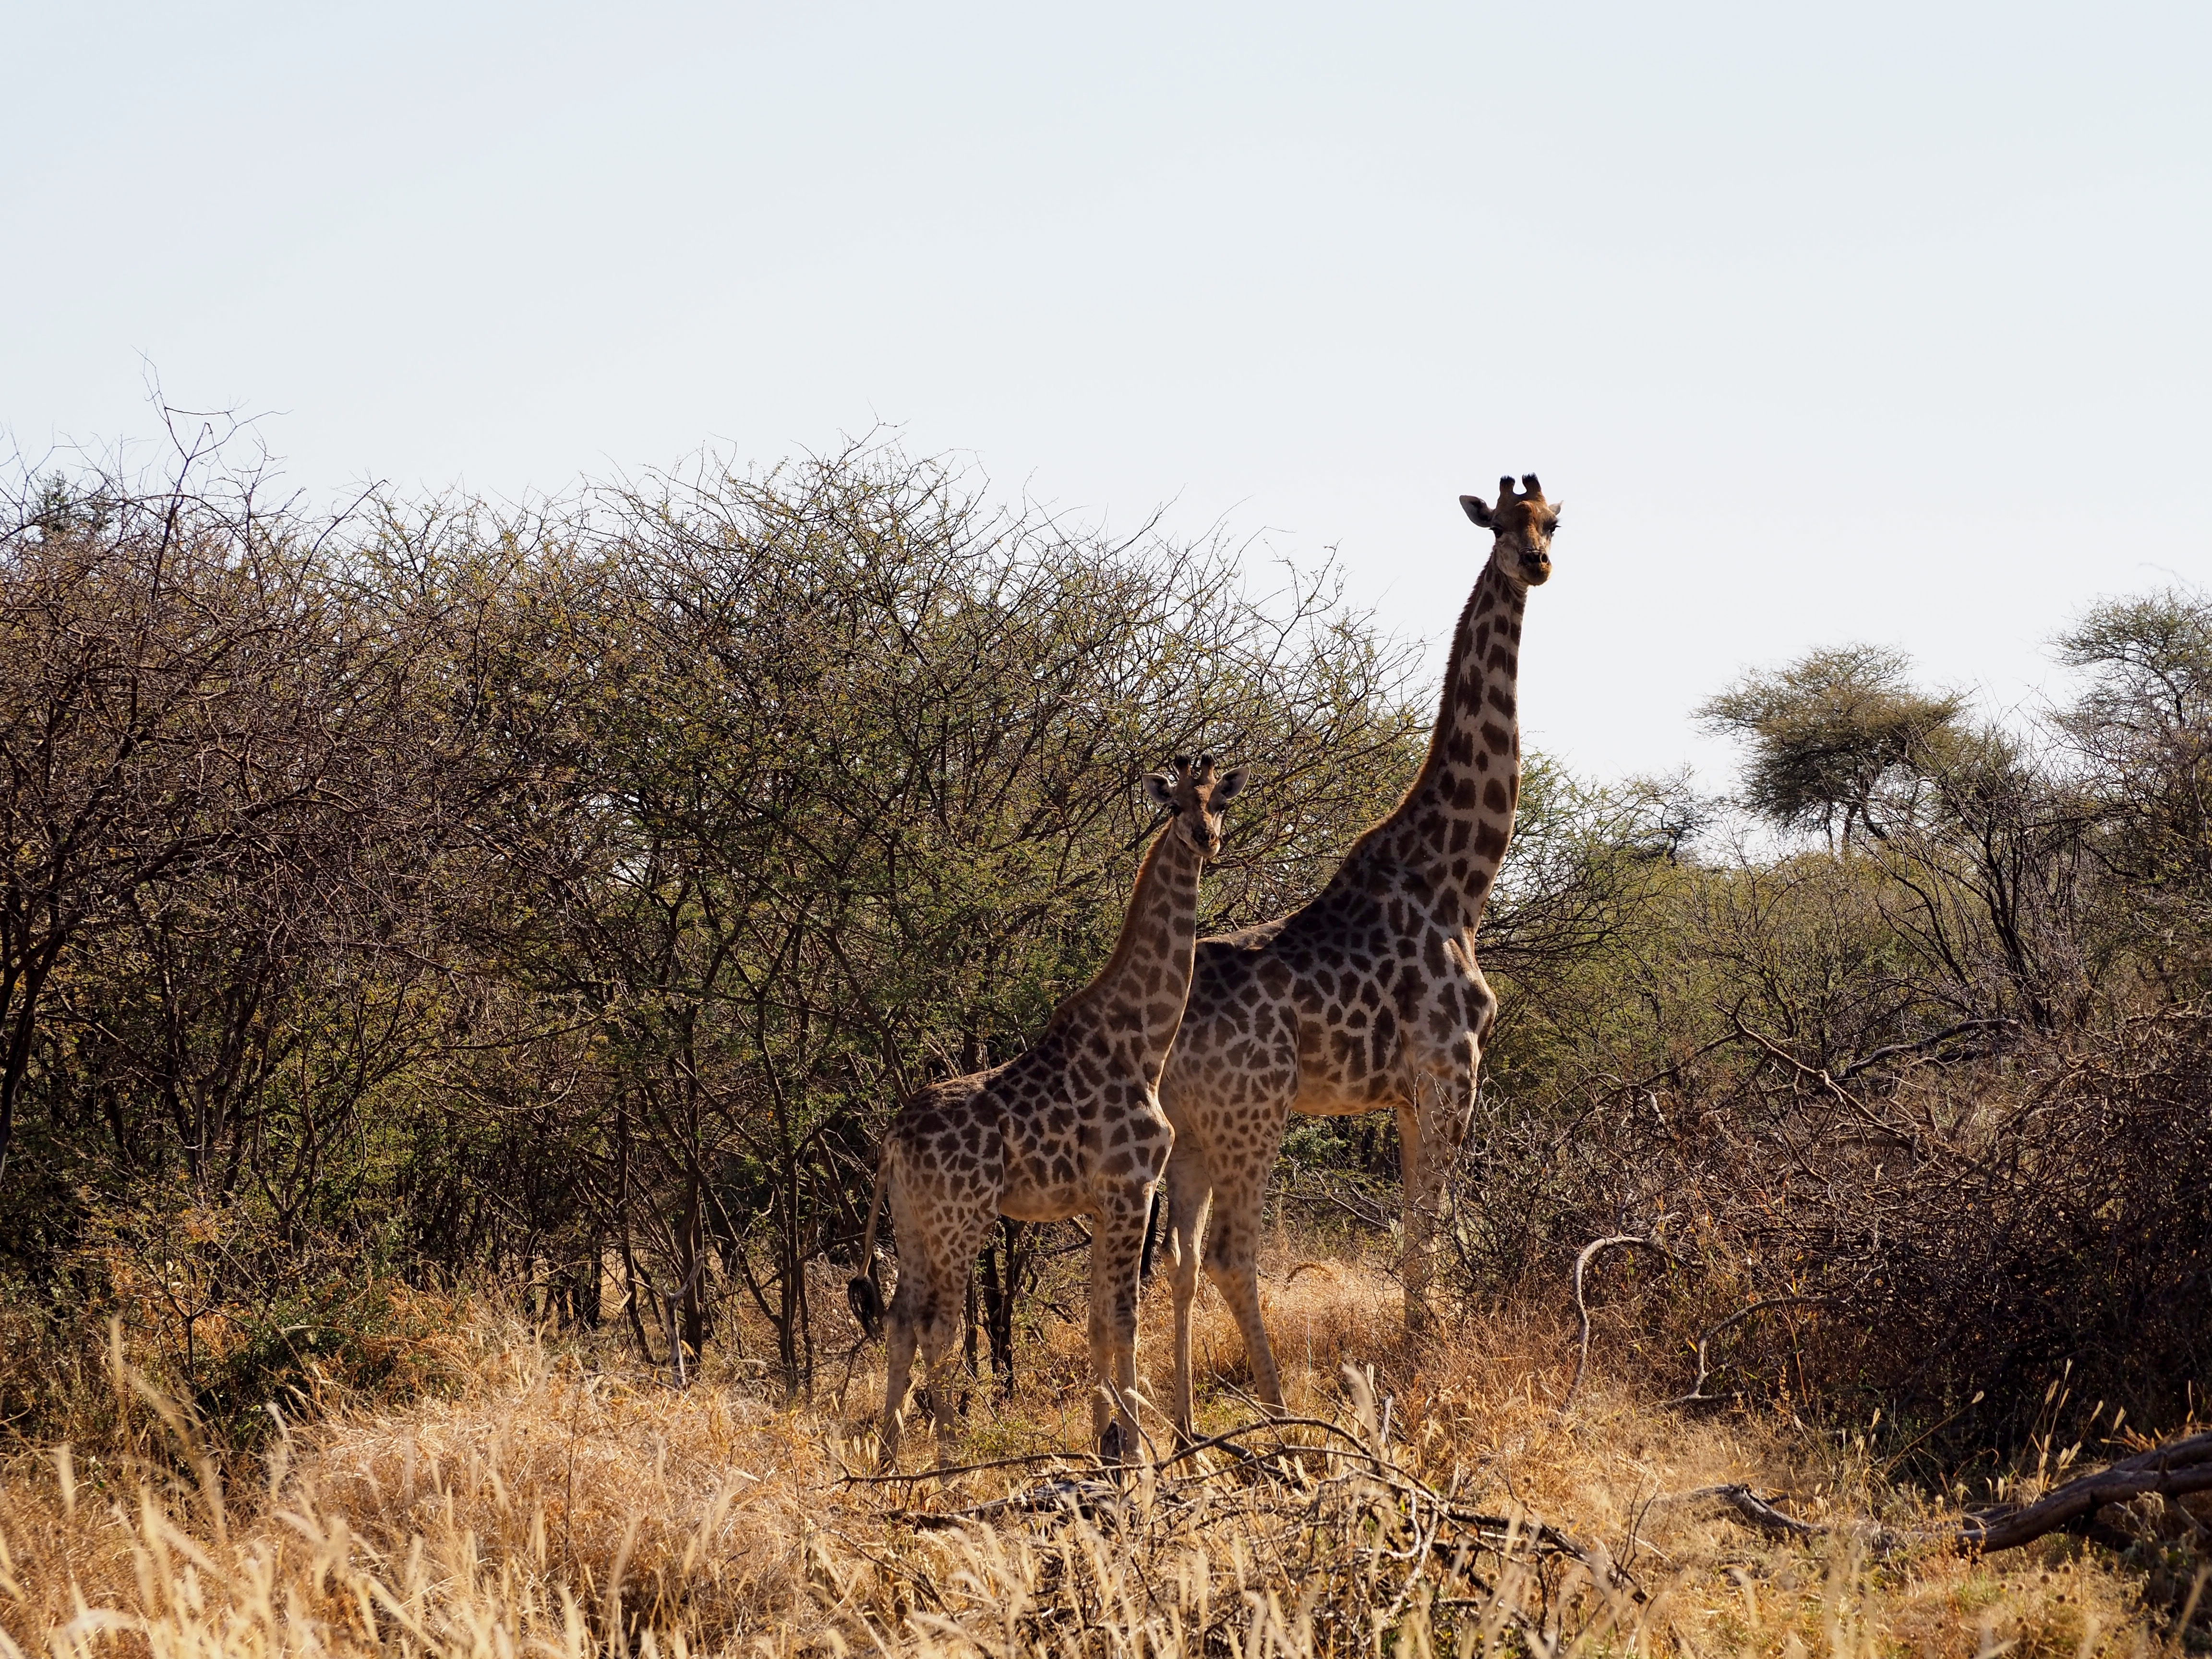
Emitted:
<point x="947" y="1471"/>
<point x="2170" y="1471"/>
<point x="1500" y="1534"/>
<point x="1090" y="1499"/>
<point x="1059" y="1495"/>
<point x="1492" y="1529"/>
<point x="1751" y="1509"/>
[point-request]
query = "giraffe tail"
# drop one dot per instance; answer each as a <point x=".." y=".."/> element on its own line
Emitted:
<point x="1149" y="1257"/>
<point x="861" y="1291"/>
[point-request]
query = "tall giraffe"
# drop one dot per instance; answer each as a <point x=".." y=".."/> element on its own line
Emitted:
<point x="1368" y="998"/>
<point x="1073" y="1126"/>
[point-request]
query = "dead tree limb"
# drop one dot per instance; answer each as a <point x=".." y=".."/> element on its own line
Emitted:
<point x="2170" y="1471"/>
<point x="1591" y="1252"/>
<point x="1751" y="1509"/>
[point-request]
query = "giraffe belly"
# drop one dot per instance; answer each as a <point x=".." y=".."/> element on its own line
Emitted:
<point x="1045" y="1179"/>
<point x="1350" y="1065"/>
<point x="1058" y="1201"/>
<point x="1039" y="1204"/>
<point x="1053" y="1178"/>
<point x="1347" y="1090"/>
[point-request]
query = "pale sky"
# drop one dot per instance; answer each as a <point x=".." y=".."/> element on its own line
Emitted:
<point x="1876" y="321"/>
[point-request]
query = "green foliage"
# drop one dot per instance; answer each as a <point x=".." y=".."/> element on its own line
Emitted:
<point x="2149" y="663"/>
<point x="218" y="1311"/>
<point x="1826" y="732"/>
<point x="2143" y="729"/>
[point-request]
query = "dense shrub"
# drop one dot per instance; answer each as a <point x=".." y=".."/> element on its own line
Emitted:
<point x="434" y="892"/>
<point x="1934" y="1094"/>
<point x="560" y="898"/>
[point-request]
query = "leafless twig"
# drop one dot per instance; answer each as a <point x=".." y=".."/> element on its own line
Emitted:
<point x="1696" y="1395"/>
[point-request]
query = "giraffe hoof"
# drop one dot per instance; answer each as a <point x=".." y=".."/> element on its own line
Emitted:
<point x="1113" y="1444"/>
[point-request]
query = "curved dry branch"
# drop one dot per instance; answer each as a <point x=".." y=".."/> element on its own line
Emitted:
<point x="1591" y="1252"/>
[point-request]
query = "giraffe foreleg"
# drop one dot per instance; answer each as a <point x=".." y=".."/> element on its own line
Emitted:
<point x="1187" y="1194"/>
<point x="1431" y="1128"/>
<point x="1115" y="1247"/>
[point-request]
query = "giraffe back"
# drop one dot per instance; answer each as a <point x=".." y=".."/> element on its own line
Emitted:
<point x="1358" y="994"/>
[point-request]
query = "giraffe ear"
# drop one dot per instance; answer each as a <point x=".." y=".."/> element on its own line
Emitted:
<point x="1229" y="785"/>
<point x="1159" y="789"/>
<point x="1471" y="505"/>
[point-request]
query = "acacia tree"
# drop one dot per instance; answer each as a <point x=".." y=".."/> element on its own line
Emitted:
<point x="2142" y="731"/>
<point x="1826" y="734"/>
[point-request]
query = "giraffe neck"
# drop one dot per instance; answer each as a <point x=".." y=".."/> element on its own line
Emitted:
<point x="1138" y="996"/>
<point x="1456" y="819"/>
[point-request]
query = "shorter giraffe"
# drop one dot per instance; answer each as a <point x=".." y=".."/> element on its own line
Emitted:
<point x="1072" y="1127"/>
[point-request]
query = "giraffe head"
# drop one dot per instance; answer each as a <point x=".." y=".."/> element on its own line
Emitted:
<point x="1191" y="791"/>
<point x="1523" y="525"/>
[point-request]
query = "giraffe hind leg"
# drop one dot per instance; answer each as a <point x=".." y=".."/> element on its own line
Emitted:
<point x="943" y="1310"/>
<point x="900" y="1333"/>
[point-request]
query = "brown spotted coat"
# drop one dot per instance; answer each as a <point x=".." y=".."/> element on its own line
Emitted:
<point x="1368" y="998"/>
<point x="1072" y="1127"/>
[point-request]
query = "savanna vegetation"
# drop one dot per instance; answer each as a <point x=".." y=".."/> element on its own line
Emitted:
<point x="456" y="963"/>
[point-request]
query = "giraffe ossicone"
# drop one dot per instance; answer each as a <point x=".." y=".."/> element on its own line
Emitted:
<point x="1367" y="998"/>
<point x="1073" y="1126"/>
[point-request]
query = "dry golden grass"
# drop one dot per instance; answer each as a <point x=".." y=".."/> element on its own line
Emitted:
<point x="550" y="1507"/>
